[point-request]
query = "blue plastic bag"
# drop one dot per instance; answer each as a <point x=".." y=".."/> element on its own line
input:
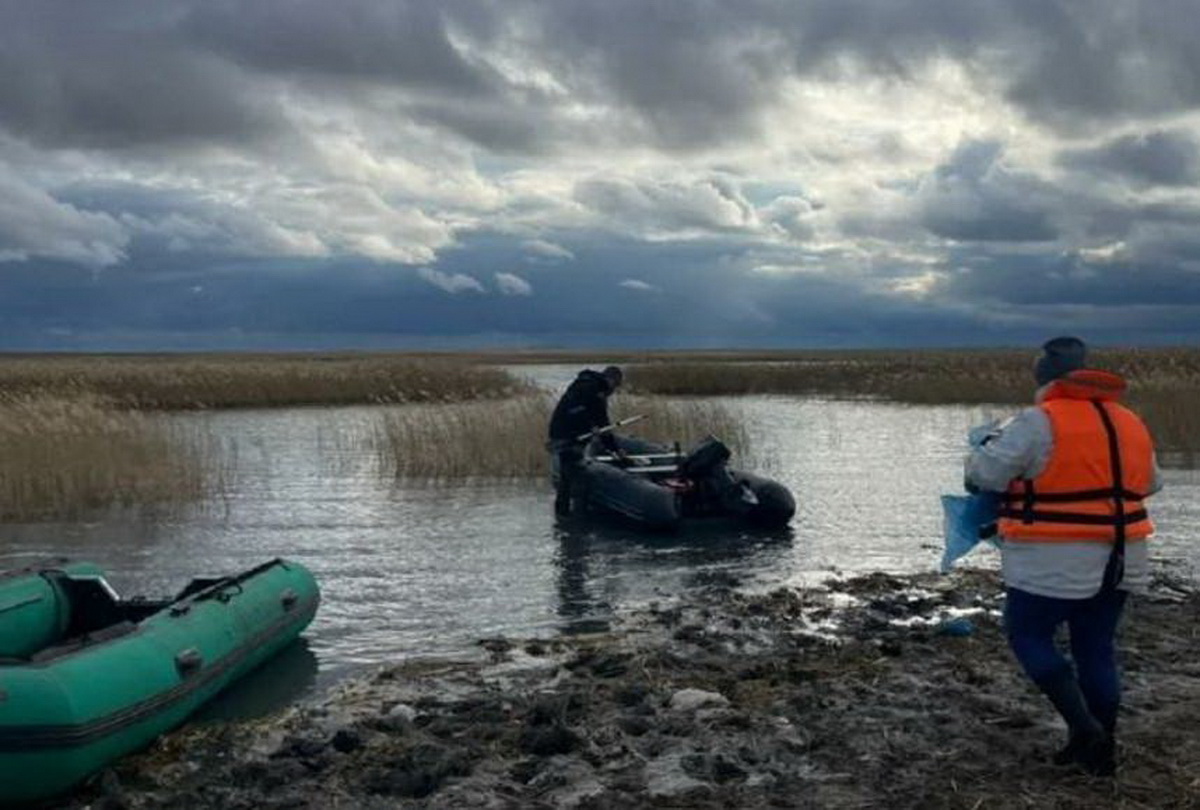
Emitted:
<point x="964" y="518"/>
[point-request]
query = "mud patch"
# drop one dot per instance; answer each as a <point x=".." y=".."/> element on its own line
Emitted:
<point x="879" y="691"/>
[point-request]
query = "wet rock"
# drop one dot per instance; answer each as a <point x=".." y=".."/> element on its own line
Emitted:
<point x="687" y="700"/>
<point x="419" y="771"/>
<point x="717" y="768"/>
<point x="299" y="747"/>
<point x="634" y="726"/>
<point x="526" y="769"/>
<point x="667" y="779"/>
<point x="609" y="666"/>
<point x="346" y="740"/>
<point x="632" y="695"/>
<point x="268" y="775"/>
<point x="535" y="648"/>
<point x="112" y="794"/>
<point x="566" y="782"/>
<point x="545" y="741"/>
<point x="554" y="709"/>
<point x="693" y="633"/>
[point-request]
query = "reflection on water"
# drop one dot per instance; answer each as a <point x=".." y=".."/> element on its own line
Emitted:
<point x="272" y="687"/>
<point x="428" y="569"/>
<point x="603" y="564"/>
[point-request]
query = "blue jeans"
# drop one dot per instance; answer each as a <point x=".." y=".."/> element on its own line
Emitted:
<point x="1031" y="620"/>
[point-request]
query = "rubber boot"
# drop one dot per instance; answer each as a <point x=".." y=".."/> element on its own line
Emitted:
<point x="1088" y="744"/>
<point x="562" y="502"/>
<point x="1103" y="757"/>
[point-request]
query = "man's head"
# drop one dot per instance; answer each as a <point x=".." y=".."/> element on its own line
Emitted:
<point x="1059" y="357"/>
<point x="614" y="376"/>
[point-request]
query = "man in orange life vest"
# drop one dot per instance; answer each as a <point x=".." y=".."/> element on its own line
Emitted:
<point x="1074" y="471"/>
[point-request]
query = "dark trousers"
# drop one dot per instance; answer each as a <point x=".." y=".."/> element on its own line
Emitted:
<point x="567" y="462"/>
<point x="1031" y="621"/>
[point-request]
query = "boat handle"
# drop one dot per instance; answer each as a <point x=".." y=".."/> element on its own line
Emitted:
<point x="288" y="599"/>
<point x="223" y="596"/>
<point x="189" y="661"/>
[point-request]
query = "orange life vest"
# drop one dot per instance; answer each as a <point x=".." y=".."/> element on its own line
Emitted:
<point x="1100" y="468"/>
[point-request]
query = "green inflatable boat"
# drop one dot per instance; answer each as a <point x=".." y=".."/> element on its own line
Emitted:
<point x="86" y="677"/>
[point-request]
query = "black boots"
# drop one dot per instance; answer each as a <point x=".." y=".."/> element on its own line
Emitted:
<point x="1096" y="755"/>
<point x="1089" y="744"/>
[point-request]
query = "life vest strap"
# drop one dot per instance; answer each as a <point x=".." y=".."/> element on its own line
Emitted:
<point x="1105" y="494"/>
<point x="1081" y="518"/>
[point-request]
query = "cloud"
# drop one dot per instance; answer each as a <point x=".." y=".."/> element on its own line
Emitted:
<point x="637" y="284"/>
<point x="547" y="250"/>
<point x="1160" y="157"/>
<point x="452" y="283"/>
<point x="33" y="224"/>
<point x="976" y="197"/>
<point x="938" y="159"/>
<point x="509" y="284"/>
<point x="663" y="209"/>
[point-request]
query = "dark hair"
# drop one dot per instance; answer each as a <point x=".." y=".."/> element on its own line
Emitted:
<point x="614" y="376"/>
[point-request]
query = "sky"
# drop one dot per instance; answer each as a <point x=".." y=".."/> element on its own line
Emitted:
<point x="597" y="173"/>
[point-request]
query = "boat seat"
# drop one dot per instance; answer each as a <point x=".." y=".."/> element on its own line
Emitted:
<point x="77" y="643"/>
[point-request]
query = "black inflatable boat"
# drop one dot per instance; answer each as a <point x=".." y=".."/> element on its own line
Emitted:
<point x="661" y="488"/>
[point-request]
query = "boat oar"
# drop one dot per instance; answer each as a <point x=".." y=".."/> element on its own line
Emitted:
<point x="583" y="437"/>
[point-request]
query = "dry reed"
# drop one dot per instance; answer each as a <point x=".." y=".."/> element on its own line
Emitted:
<point x="506" y="440"/>
<point x="62" y="457"/>
<point x="1164" y="383"/>
<point x="176" y="382"/>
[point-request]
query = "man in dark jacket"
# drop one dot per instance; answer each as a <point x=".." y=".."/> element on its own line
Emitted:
<point x="582" y="408"/>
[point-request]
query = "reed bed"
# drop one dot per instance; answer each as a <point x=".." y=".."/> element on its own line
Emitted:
<point x="63" y="457"/>
<point x="506" y="440"/>
<point x="1164" y="383"/>
<point x="181" y="382"/>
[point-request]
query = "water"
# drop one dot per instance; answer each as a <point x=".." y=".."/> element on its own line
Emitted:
<point x="428" y="570"/>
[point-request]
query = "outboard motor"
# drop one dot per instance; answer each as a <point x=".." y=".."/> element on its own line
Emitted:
<point x="703" y="459"/>
<point x="716" y="489"/>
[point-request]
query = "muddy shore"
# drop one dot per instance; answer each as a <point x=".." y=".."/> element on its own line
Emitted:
<point x="878" y="691"/>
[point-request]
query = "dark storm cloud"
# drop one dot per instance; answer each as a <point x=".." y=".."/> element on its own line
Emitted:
<point x="1097" y="60"/>
<point x="115" y="75"/>
<point x="1162" y="157"/>
<point x="394" y="130"/>
<point x="1015" y="281"/>
<point x="975" y="197"/>
<point x="121" y="73"/>
<point x="405" y="43"/>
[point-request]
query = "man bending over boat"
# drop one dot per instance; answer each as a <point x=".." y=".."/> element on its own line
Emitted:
<point x="582" y="409"/>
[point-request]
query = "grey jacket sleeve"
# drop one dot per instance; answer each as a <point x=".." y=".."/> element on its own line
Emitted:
<point x="1017" y="448"/>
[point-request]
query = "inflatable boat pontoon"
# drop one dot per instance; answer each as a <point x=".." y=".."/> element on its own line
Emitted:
<point x="86" y="677"/>
<point x="662" y="487"/>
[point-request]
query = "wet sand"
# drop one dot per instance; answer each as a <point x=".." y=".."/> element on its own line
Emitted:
<point x="878" y="691"/>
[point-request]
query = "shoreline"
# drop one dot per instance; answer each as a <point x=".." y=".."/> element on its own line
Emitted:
<point x="879" y="690"/>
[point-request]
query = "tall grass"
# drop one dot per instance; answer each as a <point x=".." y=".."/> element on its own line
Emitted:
<point x="61" y="457"/>
<point x="1164" y="383"/>
<point x="506" y="440"/>
<point x="175" y="382"/>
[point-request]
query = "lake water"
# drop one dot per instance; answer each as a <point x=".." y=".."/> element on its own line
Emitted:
<point x="428" y="570"/>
